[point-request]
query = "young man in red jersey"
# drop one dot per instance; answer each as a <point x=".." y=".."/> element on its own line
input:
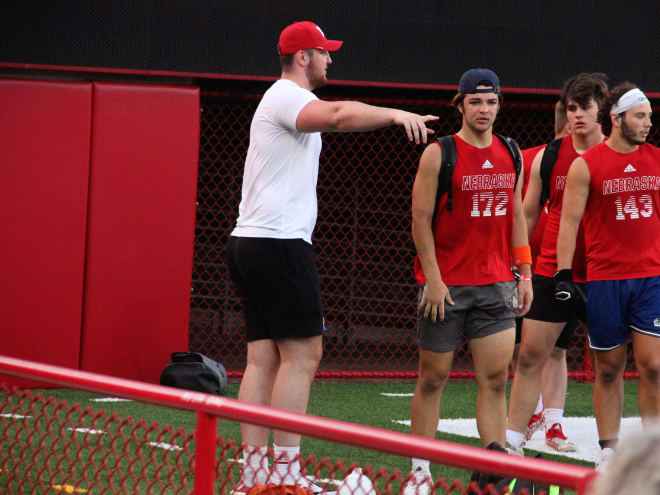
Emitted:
<point x="463" y="266"/>
<point x="547" y="317"/>
<point x="554" y="376"/>
<point x="614" y="190"/>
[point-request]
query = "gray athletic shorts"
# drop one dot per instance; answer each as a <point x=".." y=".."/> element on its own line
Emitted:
<point x="480" y="310"/>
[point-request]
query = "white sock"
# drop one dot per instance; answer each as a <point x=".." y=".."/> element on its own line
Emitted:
<point x="515" y="438"/>
<point x="255" y="469"/>
<point x="539" y="405"/>
<point x="423" y="463"/>
<point x="552" y="416"/>
<point x="283" y="460"/>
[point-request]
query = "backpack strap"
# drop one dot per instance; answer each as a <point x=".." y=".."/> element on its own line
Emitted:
<point x="547" y="163"/>
<point x="514" y="150"/>
<point x="447" y="164"/>
<point x="448" y="146"/>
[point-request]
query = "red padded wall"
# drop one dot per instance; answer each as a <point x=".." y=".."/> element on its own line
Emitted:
<point x="143" y="178"/>
<point x="44" y="173"/>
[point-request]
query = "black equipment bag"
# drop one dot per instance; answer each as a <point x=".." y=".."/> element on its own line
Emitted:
<point x="515" y="486"/>
<point x="194" y="371"/>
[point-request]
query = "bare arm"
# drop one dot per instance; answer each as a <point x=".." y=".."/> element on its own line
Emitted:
<point x="348" y="116"/>
<point x="423" y="204"/>
<point x="574" y="202"/>
<point x="531" y="206"/>
<point x="520" y="238"/>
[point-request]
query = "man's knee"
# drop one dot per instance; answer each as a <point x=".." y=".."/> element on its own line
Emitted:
<point x="263" y="362"/>
<point x="609" y="373"/>
<point x="493" y="380"/>
<point x="267" y="367"/>
<point x="650" y="371"/>
<point x="316" y="353"/>
<point x="531" y="359"/>
<point x="558" y="353"/>
<point x="431" y="381"/>
<point x="311" y="360"/>
<point x="304" y="355"/>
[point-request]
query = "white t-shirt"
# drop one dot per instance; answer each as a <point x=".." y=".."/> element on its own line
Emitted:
<point x="281" y="169"/>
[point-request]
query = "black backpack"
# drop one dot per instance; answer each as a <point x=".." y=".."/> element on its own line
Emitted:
<point x="515" y="485"/>
<point x="448" y="162"/>
<point x="547" y="164"/>
<point x="194" y="371"/>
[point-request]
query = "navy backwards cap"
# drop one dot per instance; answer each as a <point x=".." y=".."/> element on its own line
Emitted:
<point x="471" y="79"/>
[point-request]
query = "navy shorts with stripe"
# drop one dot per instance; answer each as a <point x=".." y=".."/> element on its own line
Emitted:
<point x="617" y="307"/>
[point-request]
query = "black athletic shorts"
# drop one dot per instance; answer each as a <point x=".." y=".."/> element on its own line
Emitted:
<point x="565" y="339"/>
<point x="546" y="308"/>
<point x="279" y="286"/>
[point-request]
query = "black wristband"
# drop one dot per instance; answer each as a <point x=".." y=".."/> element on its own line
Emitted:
<point x="565" y="275"/>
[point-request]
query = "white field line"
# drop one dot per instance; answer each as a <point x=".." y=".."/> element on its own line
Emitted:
<point x="159" y="445"/>
<point x="87" y="430"/>
<point x="581" y="431"/>
<point x="110" y="399"/>
<point x="165" y="446"/>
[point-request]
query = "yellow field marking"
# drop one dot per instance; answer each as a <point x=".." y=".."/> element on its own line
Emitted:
<point x="69" y="488"/>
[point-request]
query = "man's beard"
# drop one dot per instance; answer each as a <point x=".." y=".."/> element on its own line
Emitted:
<point x="628" y="134"/>
<point x="316" y="79"/>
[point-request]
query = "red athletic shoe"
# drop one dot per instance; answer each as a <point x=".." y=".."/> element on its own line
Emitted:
<point x="536" y="422"/>
<point x="555" y="438"/>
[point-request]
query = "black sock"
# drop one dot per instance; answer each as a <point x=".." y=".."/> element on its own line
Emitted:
<point x="612" y="444"/>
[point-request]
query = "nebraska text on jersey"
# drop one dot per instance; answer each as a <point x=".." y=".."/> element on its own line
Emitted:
<point x="642" y="183"/>
<point x="488" y="181"/>
<point x="560" y="182"/>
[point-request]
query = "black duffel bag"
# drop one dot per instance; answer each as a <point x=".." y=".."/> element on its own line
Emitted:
<point x="194" y="371"/>
<point x="515" y="486"/>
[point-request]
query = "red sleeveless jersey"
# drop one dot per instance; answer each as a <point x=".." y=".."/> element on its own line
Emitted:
<point x="546" y="262"/>
<point x="622" y="216"/>
<point x="473" y="240"/>
<point x="535" y="237"/>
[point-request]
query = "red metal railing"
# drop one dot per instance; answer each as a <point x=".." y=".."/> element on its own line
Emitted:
<point x="209" y="408"/>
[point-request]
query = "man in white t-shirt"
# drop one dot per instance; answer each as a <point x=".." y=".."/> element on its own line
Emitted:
<point x="269" y="253"/>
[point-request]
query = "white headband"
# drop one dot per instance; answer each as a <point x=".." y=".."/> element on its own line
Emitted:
<point x="631" y="99"/>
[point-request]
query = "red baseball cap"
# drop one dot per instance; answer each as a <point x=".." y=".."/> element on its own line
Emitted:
<point x="303" y="36"/>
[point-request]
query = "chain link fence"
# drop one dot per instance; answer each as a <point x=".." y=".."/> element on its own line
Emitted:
<point x="50" y="446"/>
<point x="363" y="236"/>
<point x="53" y="446"/>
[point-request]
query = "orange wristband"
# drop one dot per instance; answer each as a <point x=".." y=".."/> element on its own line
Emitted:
<point x="522" y="255"/>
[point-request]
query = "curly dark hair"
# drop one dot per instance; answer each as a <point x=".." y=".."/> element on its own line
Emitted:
<point x="583" y="87"/>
